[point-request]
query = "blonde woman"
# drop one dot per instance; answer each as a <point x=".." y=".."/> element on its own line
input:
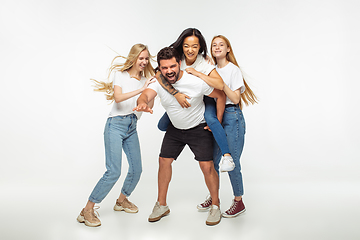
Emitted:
<point x="238" y="93"/>
<point x="128" y="81"/>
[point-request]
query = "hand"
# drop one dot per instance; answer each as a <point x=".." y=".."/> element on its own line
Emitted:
<point x="143" y="107"/>
<point x="207" y="128"/>
<point x="181" y="98"/>
<point x="192" y="71"/>
<point x="209" y="60"/>
<point x="149" y="81"/>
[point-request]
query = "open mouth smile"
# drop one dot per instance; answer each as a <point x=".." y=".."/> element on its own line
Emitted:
<point x="170" y="76"/>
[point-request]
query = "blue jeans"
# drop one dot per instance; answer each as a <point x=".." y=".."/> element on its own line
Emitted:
<point x="211" y="120"/>
<point x="234" y="126"/>
<point x="120" y="133"/>
<point x="164" y="122"/>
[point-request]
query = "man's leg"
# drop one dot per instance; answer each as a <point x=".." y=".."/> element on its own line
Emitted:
<point x="211" y="180"/>
<point x="164" y="178"/>
<point x="170" y="149"/>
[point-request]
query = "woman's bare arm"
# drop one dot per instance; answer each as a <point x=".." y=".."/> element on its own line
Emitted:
<point x="119" y="96"/>
<point x="234" y="96"/>
<point x="213" y="79"/>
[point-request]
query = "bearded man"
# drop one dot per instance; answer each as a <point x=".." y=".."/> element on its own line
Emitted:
<point x="186" y="128"/>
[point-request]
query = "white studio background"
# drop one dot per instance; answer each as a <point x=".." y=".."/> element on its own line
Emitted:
<point x="302" y="138"/>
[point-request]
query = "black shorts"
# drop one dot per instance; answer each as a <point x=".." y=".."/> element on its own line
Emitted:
<point x="199" y="140"/>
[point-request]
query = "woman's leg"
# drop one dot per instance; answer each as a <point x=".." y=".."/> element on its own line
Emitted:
<point x="113" y="138"/>
<point x="164" y="122"/>
<point x="215" y="126"/>
<point x="131" y="148"/>
<point x="234" y="125"/>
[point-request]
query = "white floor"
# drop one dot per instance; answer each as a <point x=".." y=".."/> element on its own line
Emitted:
<point x="275" y="210"/>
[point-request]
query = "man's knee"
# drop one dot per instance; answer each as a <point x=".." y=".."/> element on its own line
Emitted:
<point x="207" y="167"/>
<point x="165" y="161"/>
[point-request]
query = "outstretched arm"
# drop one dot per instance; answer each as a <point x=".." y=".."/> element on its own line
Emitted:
<point x="220" y="103"/>
<point x="180" y="97"/>
<point x="144" y="101"/>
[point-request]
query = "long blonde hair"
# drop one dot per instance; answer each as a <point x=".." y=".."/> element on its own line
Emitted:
<point x="131" y="59"/>
<point x="248" y="95"/>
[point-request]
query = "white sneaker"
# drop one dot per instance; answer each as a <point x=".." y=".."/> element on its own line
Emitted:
<point x="226" y="164"/>
<point x="158" y="212"/>
<point x="214" y="216"/>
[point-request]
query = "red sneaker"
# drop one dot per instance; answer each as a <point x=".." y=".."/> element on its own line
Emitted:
<point x="205" y="205"/>
<point x="235" y="209"/>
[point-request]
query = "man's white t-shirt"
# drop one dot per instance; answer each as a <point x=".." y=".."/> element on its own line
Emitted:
<point x="232" y="77"/>
<point x="195" y="88"/>
<point x="127" y="84"/>
<point x="200" y="65"/>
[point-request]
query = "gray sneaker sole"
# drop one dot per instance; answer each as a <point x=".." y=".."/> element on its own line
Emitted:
<point x="159" y="217"/>
<point x="213" y="223"/>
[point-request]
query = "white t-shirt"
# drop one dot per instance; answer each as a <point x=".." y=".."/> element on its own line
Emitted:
<point x="232" y="77"/>
<point x="127" y="84"/>
<point x="200" y="65"/>
<point x="195" y="88"/>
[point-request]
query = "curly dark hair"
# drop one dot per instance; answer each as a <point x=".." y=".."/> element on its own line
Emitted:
<point x="168" y="53"/>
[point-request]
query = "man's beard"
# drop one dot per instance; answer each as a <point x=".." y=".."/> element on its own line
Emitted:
<point x="166" y="76"/>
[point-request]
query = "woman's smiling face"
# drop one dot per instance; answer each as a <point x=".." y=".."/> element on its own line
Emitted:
<point x="142" y="61"/>
<point x="191" y="49"/>
<point x="219" y="48"/>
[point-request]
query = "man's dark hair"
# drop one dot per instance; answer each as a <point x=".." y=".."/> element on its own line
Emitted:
<point x="187" y="33"/>
<point x="167" y="53"/>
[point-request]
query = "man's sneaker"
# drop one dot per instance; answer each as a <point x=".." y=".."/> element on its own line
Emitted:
<point x="158" y="212"/>
<point x="214" y="216"/>
<point x="235" y="209"/>
<point x="206" y="204"/>
<point x="89" y="218"/>
<point x="226" y="164"/>
<point x="126" y="206"/>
